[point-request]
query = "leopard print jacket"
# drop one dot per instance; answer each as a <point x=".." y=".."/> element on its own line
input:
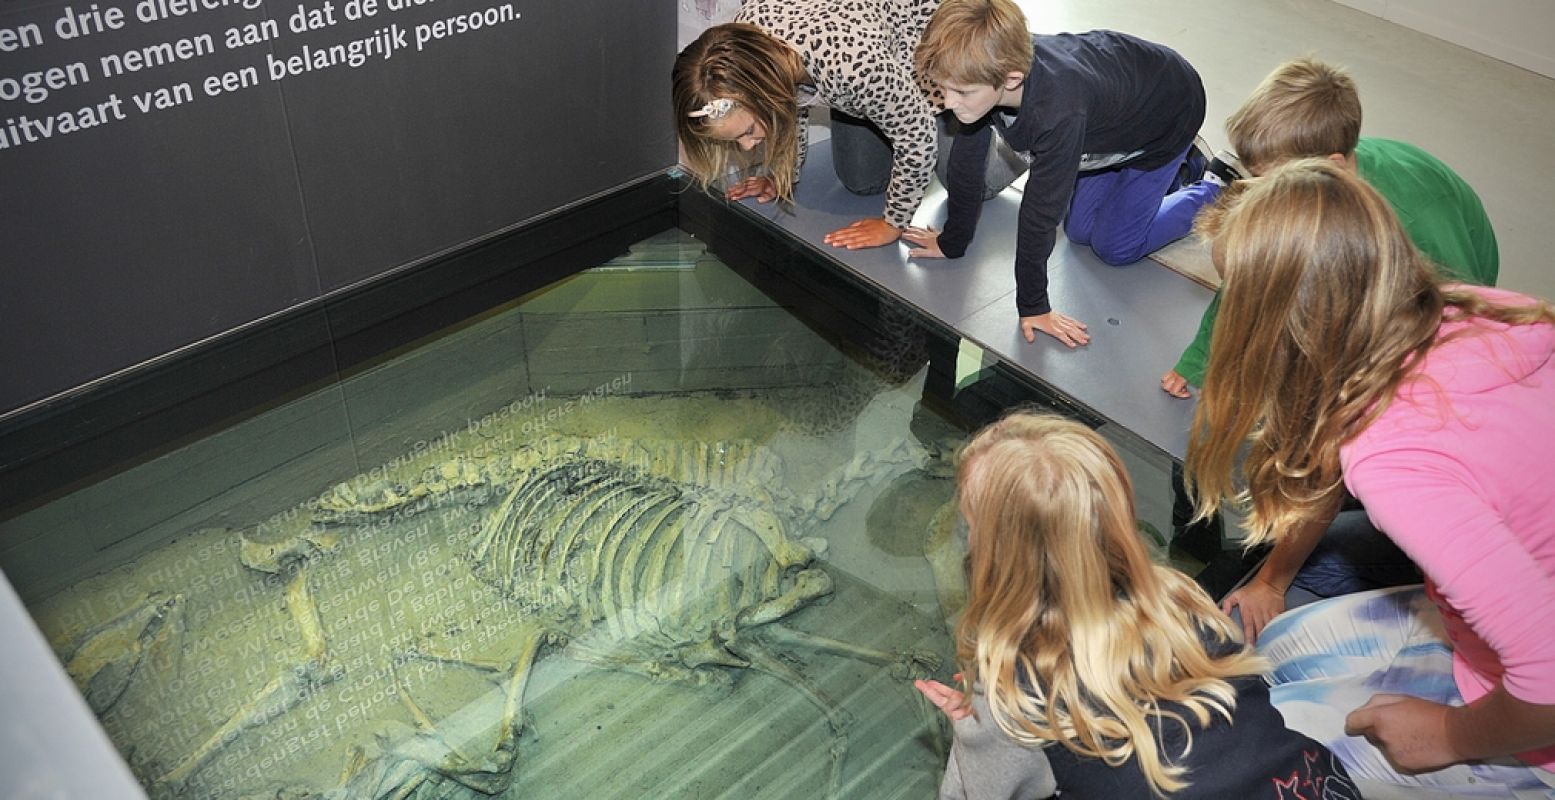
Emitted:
<point x="860" y="55"/>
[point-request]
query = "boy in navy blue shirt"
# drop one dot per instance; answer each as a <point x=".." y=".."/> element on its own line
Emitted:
<point x="1107" y="122"/>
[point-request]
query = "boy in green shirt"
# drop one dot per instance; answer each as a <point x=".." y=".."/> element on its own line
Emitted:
<point x="1308" y="109"/>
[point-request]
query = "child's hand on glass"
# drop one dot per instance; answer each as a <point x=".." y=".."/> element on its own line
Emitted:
<point x="948" y="700"/>
<point x="925" y="242"/>
<point x="759" y="187"/>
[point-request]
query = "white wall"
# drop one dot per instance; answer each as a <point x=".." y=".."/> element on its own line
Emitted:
<point x="1489" y="120"/>
<point x="1520" y="32"/>
<point x="698" y="15"/>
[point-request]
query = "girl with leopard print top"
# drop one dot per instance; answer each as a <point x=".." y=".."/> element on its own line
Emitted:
<point x="752" y="81"/>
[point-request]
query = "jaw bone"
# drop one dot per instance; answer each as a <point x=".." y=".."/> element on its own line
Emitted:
<point x="275" y="556"/>
<point x="108" y="656"/>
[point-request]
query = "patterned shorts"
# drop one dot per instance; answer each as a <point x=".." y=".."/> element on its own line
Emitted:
<point x="1330" y="657"/>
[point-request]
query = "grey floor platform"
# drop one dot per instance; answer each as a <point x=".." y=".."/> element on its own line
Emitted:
<point x="1140" y="316"/>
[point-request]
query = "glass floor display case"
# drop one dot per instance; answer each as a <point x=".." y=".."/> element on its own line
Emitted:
<point x="665" y="528"/>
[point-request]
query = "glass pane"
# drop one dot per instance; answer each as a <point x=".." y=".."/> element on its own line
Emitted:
<point x="646" y="533"/>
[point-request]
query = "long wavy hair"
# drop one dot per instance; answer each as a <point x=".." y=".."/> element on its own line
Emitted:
<point x="740" y="62"/>
<point x="1324" y="307"/>
<point x="1073" y="633"/>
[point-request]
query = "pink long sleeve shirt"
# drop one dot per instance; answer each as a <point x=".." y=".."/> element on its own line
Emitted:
<point x="1459" y="470"/>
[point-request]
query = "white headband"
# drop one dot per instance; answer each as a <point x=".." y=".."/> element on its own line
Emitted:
<point x="717" y="109"/>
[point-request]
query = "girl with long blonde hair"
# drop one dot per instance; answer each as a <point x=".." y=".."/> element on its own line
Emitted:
<point x="1341" y="360"/>
<point x="1073" y="641"/>
<point x="742" y="93"/>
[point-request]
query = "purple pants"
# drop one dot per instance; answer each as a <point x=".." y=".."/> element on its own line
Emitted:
<point x="1125" y="214"/>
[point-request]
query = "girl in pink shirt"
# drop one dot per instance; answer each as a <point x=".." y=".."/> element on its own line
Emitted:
<point x="1346" y="363"/>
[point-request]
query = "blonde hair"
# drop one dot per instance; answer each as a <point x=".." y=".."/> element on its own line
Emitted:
<point x="1075" y="636"/>
<point x="974" y="42"/>
<point x="1303" y="109"/>
<point x="740" y="62"/>
<point x="1324" y="306"/>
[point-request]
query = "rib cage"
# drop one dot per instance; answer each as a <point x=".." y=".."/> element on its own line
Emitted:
<point x="647" y="555"/>
<point x="620" y="542"/>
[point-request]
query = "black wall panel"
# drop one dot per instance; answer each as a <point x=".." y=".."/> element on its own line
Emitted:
<point x="153" y="229"/>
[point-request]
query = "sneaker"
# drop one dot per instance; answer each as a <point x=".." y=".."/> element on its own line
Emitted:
<point x="1225" y="168"/>
<point x="1192" y="167"/>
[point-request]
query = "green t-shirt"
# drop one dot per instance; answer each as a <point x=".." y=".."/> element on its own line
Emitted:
<point x="1440" y="212"/>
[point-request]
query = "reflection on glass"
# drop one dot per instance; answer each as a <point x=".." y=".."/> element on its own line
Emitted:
<point x="642" y="534"/>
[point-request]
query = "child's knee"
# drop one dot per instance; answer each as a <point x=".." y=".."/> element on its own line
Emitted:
<point x="1078" y="233"/>
<point x="864" y="185"/>
<point x="861" y="176"/>
<point x="1117" y="254"/>
<point x="1119" y="241"/>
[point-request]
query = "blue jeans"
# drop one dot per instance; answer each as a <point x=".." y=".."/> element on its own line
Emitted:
<point x="861" y="154"/>
<point x="1353" y="556"/>
<point x="1125" y="214"/>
